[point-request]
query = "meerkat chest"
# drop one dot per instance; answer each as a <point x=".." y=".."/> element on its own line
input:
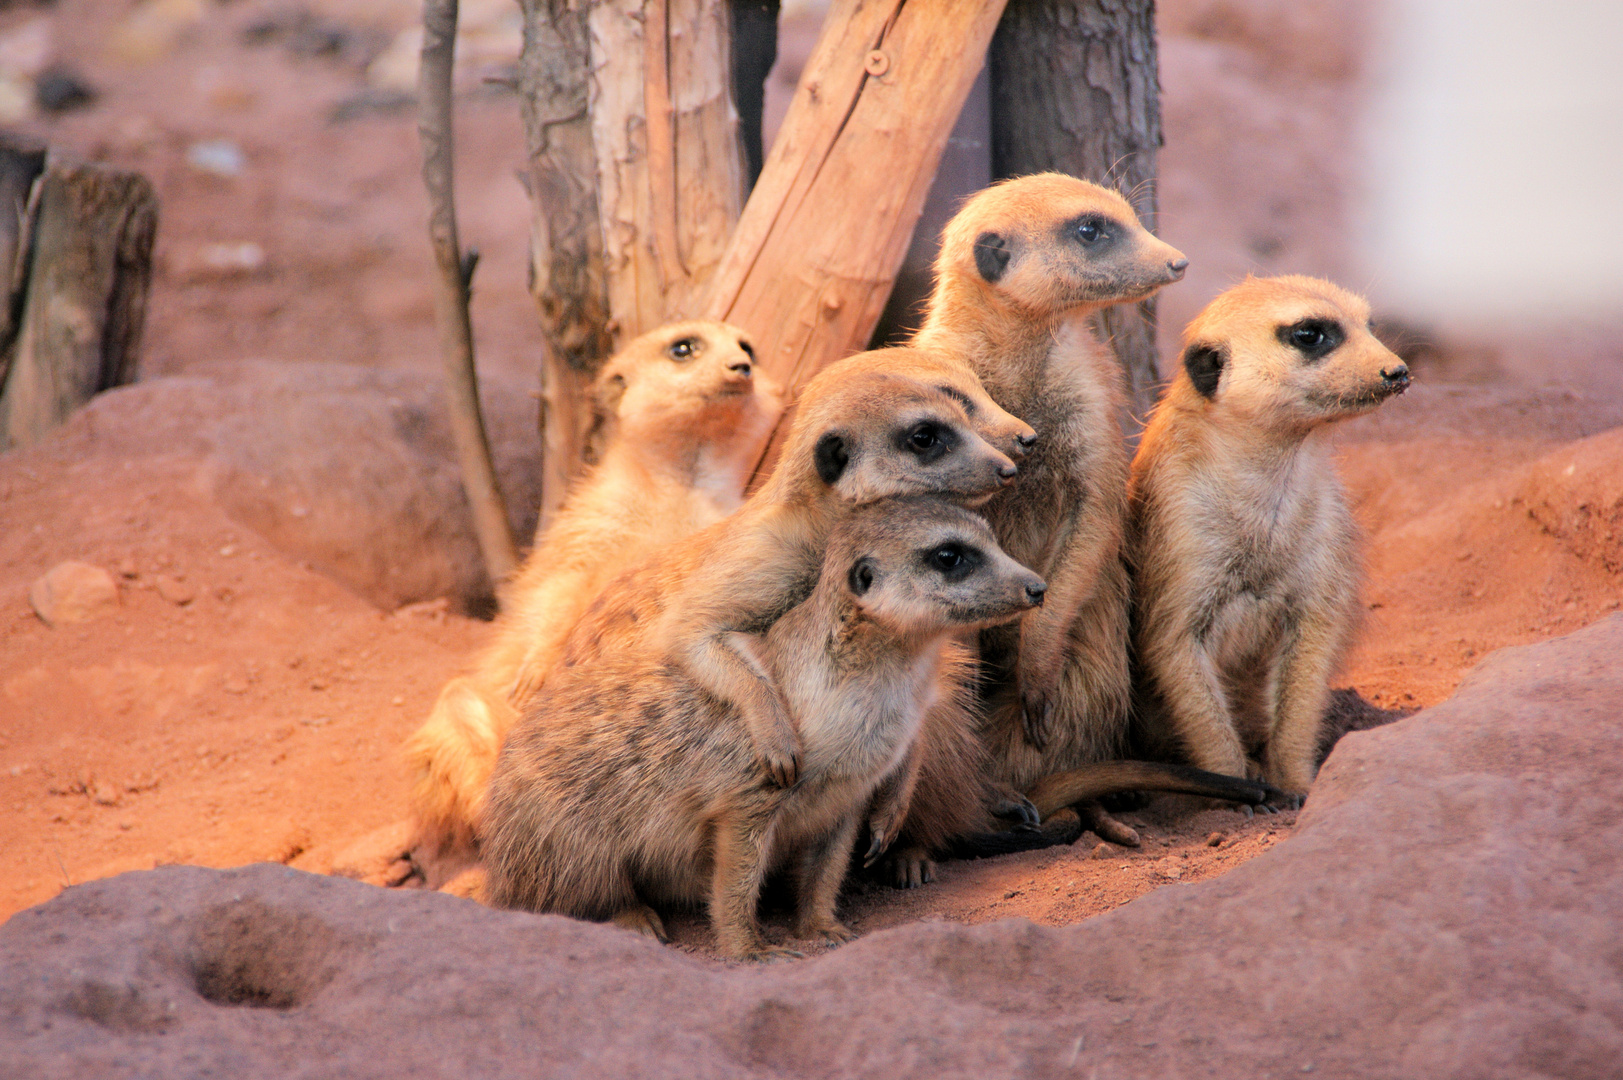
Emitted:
<point x="857" y="725"/>
<point x="1273" y="544"/>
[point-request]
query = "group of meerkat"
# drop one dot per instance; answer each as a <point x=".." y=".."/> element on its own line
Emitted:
<point x="952" y="604"/>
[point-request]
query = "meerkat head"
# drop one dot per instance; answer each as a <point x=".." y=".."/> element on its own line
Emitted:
<point x="872" y="436"/>
<point x="1003" y="430"/>
<point x="922" y="566"/>
<point x="687" y="383"/>
<point x="1051" y="243"/>
<point x="1288" y="353"/>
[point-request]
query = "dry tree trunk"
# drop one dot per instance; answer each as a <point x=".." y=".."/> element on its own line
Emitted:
<point x="1075" y="89"/>
<point x="490" y="520"/>
<point x="628" y="217"/>
<point x="670" y="172"/>
<point x="827" y="226"/>
<point x="566" y="241"/>
<point x="19" y="168"/>
<point x="88" y="273"/>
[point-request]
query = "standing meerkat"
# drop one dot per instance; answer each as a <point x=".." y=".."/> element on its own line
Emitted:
<point x="1246" y="561"/>
<point x="1023" y="268"/>
<point x="628" y="784"/>
<point x="682" y="413"/>
<point x="857" y="436"/>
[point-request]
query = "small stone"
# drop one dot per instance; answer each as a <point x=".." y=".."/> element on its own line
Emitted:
<point x="105" y="794"/>
<point x="398" y="700"/>
<point x="174" y="590"/>
<point x="1104" y="851"/>
<point x="73" y="592"/>
<point x="1216" y="839"/>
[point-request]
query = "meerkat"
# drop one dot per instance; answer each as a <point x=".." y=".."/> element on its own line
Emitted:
<point x="681" y="415"/>
<point x="1024" y="266"/>
<point x="1245" y="554"/>
<point x="857" y="436"/>
<point x="629" y="784"/>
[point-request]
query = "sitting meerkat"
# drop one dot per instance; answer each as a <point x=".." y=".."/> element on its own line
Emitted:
<point x="683" y="413"/>
<point x="857" y="436"/>
<point x="1024" y="266"/>
<point x="1245" y="555"/>
<point x="629" y="784"/>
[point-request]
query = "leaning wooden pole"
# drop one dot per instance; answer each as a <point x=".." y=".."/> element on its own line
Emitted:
<point x="825" y="231"/>
<point x="451" y="294"/>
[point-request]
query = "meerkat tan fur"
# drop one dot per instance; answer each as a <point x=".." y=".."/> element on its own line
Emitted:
<point x="628" y="784"/>
<point x="1024" y="266"/>
<point x="683" y="413"/>
<point x="857" y="436"/>
<point x="1245" y="553"/>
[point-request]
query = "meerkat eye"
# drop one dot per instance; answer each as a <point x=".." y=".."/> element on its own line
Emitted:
<point x="953" y="560"/>
<point x="924" y="437"/>
<point x="1091" y="231"/>
<point x="686" y="349"/>
<point x="1313" y="338"/>
<point x="749" y="350"/>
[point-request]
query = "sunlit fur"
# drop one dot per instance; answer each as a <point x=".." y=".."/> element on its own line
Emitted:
<point x="628" y="785"/>
<point x="1027" y="336"/>
<point x="678" y="437"/>
<point x="1245" y="553"/>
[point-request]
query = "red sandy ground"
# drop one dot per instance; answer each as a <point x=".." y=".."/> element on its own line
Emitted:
<point x="240" y="707"/>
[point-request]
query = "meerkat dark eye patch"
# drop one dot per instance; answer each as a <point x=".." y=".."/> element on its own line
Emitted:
<point x="1092" y="230"/>
<point x="831" y="457"/>
<point x="861" y="576"/>
<point x="1313" y="338"/>
<point x="1205" y="365"/>
<point x="953" y="560"/>
<point x="991" y="255"/>
<point x="926" y="439"/>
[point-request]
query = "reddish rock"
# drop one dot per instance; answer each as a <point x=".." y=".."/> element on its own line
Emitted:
<point x="1447" y="907"/>
<point x="73" y="592"/>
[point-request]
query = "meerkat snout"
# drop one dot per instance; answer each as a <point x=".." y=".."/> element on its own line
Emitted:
<point x="1035" y="591"/>
<point x="1396" y="376"/>
<point x="1177" y="267"/>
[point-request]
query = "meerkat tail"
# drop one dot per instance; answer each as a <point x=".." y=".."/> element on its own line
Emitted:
<point x="1063" y="827"/>
<point x="1052" y="793"/>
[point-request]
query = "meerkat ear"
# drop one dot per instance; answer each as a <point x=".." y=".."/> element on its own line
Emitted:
<point x="831" y="456"/>
<point x="991" y="255"/>
<point x="1205" y="365"/>
<point x="861" y="576"/>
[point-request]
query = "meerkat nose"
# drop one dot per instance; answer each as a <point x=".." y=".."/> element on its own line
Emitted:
<point x="1397" y="375"/>
<point x="1035" y="591"/>
<point x="742" y="367"/>
<point x="1178" y="266"/>
<point x="1007" y="473"/>
<point x="1026" y="442"/>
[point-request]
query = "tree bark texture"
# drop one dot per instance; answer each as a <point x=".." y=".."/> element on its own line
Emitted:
<point x="1076" y="89"/>
<point x="84" y="305"/>
<point x="20" y="167"/>
<point x="670" y="169"/>
<point x="827" y="226"/>
<point x="434" y="127"/>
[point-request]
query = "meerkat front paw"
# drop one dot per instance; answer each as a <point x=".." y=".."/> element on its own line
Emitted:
<point x="832" y="930"/>
<point x="910" y="868"/>
<point x="780" y="761"/>
<point x="1036" y="719"/>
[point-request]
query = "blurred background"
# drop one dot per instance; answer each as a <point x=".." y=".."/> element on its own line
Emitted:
<point x="1457" y="160"/>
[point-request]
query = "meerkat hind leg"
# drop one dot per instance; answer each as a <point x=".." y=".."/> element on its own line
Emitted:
<point x="1096" y="819"/>
<point x="740" y="867"/>
<point x="821" y="873"/>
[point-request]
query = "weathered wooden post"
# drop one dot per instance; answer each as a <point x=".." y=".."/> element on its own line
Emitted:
<point x="82" y="261"/>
